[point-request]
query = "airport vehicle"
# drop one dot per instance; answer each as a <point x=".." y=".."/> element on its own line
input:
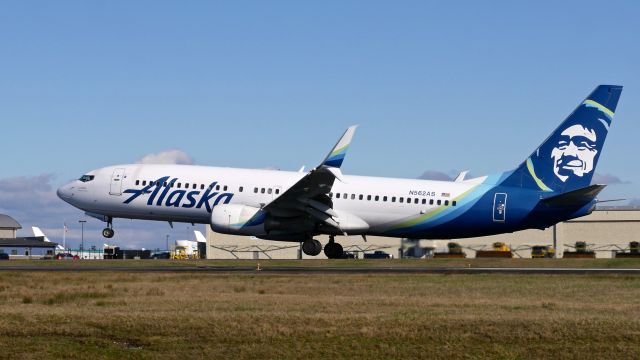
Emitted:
<point x="542" y="251"/>
<point x="161" y="255"/>
<point x="551" y="185"/>
<point x="4" y="256"/>
<point x="378" y="254"/>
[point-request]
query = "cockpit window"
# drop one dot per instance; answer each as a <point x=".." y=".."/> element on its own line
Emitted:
<point x="85" y="178"/>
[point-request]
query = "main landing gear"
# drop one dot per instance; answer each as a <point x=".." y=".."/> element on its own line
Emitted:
<point x="311" y="247"/>
<point x="108" y="231"/>
<point x="332" y="250"/>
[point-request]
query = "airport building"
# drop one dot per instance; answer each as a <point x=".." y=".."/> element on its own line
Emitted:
<point x="21" y="247"/>
<point x="605" y="231"/>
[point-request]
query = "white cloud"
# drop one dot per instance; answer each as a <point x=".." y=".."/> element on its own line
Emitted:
<point x="174" y="156"/>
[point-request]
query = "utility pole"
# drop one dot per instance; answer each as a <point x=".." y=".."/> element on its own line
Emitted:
<point x="167" y="239"/>
<point x="82" y="237"/>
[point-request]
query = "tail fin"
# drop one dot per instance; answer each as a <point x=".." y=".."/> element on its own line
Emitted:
<point x="567" y="159"/>
<point x="199" y="236"/>
<point x="38" y="233"/>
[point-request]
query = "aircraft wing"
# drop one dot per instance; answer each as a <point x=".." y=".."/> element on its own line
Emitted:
<point x="309" y="196"/>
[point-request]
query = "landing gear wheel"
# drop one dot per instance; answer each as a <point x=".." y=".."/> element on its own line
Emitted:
<point x="333" y="250"/>
<point x="311" y="247"/>
<point x="108" y="233"/>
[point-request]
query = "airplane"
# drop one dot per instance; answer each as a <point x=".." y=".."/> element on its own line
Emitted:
<point x="551" y="185"/>
<point x="38" y="233"/>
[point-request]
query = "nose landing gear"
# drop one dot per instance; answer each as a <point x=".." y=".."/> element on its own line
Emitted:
<point x="108" y="231"/>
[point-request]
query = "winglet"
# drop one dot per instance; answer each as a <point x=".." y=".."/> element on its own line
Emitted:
<point x="337" y="154"/>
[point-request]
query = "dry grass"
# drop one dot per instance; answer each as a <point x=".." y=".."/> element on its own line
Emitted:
<point x="354" y="316"/>
<point x="419" y="263"/>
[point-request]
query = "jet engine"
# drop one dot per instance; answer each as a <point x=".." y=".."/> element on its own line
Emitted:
<point x="237" y="219"/>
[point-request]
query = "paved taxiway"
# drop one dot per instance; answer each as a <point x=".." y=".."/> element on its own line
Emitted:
<point x="326" y="269"/>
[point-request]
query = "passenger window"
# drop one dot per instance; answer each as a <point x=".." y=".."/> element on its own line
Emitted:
<point x="337" y="195"/>
<point x="453" y="203"/>
<point x="353" y="196"/>
<point x="262" y="190"/>
<point x="331" y="195"/>
<point x="446" y="203"/>
<point x="269" y="191"/>
<point x="255" y="190"/>
<point x="439" y="202"/>
<point x="415" y="201"/>
<point x="144" y="183"/>
<point x="224" y="188"/>
<point x="361" y="197"/>
<point x="241" y="188"/>
<point x="173" y="184"/>
<point x="393" y="199"/>
<point x="179" y="185"/>
<point x="202" y="187"/>
<point x="408" y="200"/>
<point x="430" y="201"/>
<point x="384" y="198"/>
<point x="344" y="196"/>
<point x="186" y="185"/>
<point x="424" y="201"/>
<point x="401" y="200"/>
<point x="377" y="198"/>
<point x="195" y="186"/>
<point x="368" y="197"/>
<point x="217" y="187"/>
<point x="277" y="191"/>
<point x="137" y="182"/>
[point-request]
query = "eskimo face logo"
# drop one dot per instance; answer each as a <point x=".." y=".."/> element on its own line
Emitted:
<point x="575" y="152"/>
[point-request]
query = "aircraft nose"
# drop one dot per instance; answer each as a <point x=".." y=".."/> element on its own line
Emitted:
<point x="64" y="192"/>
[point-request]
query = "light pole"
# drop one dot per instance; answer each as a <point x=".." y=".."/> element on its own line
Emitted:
<point x="82" y="237"/>
<point x="167" y="242"/>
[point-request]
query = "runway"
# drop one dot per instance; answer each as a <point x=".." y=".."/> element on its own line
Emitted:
<point x="325" y="269"/>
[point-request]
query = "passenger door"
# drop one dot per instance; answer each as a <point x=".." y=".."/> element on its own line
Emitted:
<point x="116" y="182"/>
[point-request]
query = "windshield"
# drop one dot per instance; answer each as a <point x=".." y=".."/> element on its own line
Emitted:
<point x="85" y="178"/>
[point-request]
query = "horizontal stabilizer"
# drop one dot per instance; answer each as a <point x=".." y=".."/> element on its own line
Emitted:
<point x="577" y="197"/>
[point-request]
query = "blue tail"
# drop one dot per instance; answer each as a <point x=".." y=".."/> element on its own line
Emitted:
<point x="567" y="159"/>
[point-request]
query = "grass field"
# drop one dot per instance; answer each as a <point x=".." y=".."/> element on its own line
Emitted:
<point x="418" y="263"/>
<point x="348" y="316"/>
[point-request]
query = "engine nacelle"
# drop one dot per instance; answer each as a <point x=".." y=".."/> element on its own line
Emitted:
<point x="236" y="219"/>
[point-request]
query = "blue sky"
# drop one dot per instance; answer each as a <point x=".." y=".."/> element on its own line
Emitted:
<point x="435" y="86"/>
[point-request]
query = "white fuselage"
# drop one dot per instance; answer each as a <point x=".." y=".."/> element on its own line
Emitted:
<point x="116" y="192"/>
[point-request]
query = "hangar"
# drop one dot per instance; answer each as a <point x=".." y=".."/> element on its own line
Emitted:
<point x="606" y="230"/>
<point x="21" y="246"/>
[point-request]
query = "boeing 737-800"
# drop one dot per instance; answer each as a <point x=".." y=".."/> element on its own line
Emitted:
<point x="553" y="184"/>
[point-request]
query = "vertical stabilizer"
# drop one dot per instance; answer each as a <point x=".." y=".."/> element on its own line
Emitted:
<point x="567" y="159"/>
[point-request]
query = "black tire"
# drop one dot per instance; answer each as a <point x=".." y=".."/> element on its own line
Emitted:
<point x="108" y="233"/>
<point x="311" y="247"/>
<point x="333" y="251"/>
